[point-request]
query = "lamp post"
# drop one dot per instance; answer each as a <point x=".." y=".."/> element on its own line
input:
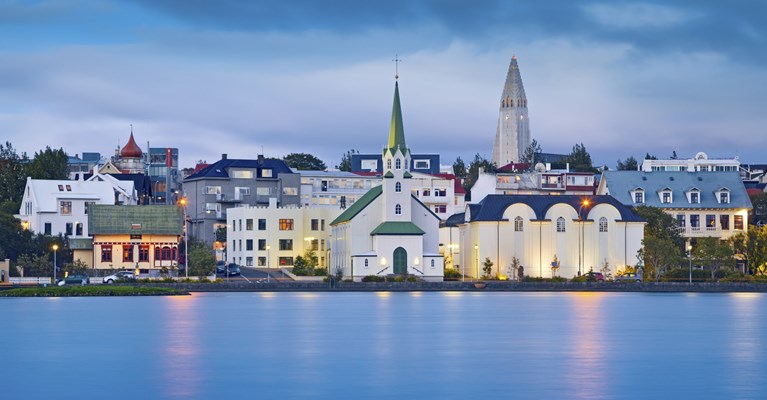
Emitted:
<point x="182" y="201"/>
<point x="476" y="261"/>
<point x="55" y="249"/>
<point x="689" y="257"/>
<point x="268" y="262"/>
<point x="581" y="238"/>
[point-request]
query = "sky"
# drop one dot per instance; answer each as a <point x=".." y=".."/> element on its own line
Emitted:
<point x="274" y="77"/>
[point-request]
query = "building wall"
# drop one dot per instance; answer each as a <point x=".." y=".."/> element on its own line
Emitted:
<point x="117" y="242"/>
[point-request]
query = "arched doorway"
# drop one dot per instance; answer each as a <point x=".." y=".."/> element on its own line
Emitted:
<point x="400" y="261"/>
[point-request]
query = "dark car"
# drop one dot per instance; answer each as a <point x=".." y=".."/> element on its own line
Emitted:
<point x="74" y="279"/>
<point x="592" y="276"/>
<point x="232" y="269"/>
<point x="220" y="267"/>
<point x="628" y="277"/>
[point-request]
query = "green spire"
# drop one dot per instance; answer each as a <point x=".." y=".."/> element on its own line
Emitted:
<point x="396" y="131"/>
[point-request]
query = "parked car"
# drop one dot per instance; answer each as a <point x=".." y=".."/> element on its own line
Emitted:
<point x="119" y="275"/>
<point x="220" y="267"/>
<point x="232" y="269"/>
<point x="74" y="279"/>
<point x="628" y="277"/>
<point x="592" y="276"/>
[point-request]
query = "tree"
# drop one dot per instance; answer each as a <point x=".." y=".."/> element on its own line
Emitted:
<point x="751" y="245"/>
<point x="459" y="168"/>
<point x="660" y="225"/>
<point x="714" y="253"/>
<point x="487" y="268"/>
<point x="221" y="234"/>
<point x="304" y="162"/>
<point x="630" y="164"/>
<point x="580" y="159"/>
<point x="658" y="255"/>
<point x="35" y="265"/>
<point x="474" y="166"/>
<point x="759" y="210"/>
<point x="673" y="155"/>
<point x="532" y="152"/>
<point x="48" y="164"/>
<point x="201" y="259"/>
<point x="12" y="174"/>
<point x="650" y="157"/>
<point x="346" y="161"/>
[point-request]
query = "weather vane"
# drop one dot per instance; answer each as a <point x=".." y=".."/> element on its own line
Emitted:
<point x="396" y="60"/>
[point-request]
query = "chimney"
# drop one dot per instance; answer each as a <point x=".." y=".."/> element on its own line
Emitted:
<point x="260" y="158"/>
<point x="223" y="156"/>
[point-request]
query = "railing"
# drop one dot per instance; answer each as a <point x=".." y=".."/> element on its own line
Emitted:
<point x="379" y="272"/>
<point x="418" y="270"/>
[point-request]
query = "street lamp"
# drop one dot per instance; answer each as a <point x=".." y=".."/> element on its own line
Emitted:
<point x="186" y="238"/>
<point x="476" y="259"/>
<point x="268" y="262"/>
<point x="55" y="249"/>
<point x="581" y="238"/>
<point x="689" y="257"/>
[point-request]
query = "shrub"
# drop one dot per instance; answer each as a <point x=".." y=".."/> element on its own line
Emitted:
<point x="452" y="273"/>
<point x="581" y="278"/>
<point x="373" y="278"/>
<point x="533" y="279"/>
<point x="734" y="276"/>
<point x="320" y="271"/>
<point x="558" y="279"/>
<point x="683" y="275"/>
<point x="412" y="278"/>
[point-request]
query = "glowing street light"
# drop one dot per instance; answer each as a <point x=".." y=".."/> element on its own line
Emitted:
<point x="581" y="238"/>
<point x="55" y="249"/>
<point x="268" y="262"/>
<point x="182" y="202"/>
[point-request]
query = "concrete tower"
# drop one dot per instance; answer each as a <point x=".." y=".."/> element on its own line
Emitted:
<point x="512" y="136"/>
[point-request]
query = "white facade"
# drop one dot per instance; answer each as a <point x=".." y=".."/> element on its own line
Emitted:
<point x="334" y="188"/>
<point x="274" y="236"/>
<point x="438" y="193"/>
<point x="53" y="207"/>
<point x="700" y="163"/>
<point x="545" y="182"/>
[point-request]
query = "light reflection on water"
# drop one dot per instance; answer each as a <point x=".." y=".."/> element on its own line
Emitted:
<point x="461" y="345"/>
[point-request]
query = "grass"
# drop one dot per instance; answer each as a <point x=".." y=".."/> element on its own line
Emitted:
<point x="80" y="291"/>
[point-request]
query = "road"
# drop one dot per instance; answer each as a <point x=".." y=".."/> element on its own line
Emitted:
<point x="250" y="274"/>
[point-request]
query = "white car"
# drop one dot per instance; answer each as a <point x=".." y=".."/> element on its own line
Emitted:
<point x="120" y="275"/>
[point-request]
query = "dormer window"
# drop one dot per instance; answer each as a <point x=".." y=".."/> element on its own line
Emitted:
<point x="695" y="197"/>
<point x="665" y="196"/>
<point x="723" y="196"/>
<point x="398" y="164"/>
<point x="639" y="196"/>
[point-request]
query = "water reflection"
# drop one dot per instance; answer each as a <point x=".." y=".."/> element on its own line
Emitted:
<point x="586" y="373"/>
<point x="181" y="352"/>
<point x="744" y="343"/>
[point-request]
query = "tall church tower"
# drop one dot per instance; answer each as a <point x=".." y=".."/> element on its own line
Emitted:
<point x="396" y="168"/>
<point x="512" y="136"/>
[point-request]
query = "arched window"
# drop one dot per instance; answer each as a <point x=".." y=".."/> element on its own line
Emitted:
<point x="397" y="187"/>
<point x="432" y="263"/>
<point x="603" y="224"/>
<point x="398" y="164"/>
<point x="398" y="209"/>
<point x="518" y="224"/>
<point x="366" y="263"/>
<point x="388" y="164"/>
<point x="560" y="224"/>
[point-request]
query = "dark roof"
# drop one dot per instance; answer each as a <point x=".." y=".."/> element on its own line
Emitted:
<point x="359" y="205"/>
<point x="124" y="220"/>
<point x="397" y="228"/>
<point x="492" y="207"/>
<point x="141" y="182"/>
<point x="220" y="169"/>
<point x="453" y="220"/>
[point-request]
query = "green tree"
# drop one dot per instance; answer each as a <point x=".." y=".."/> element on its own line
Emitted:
<point x="751" y="246"/>
<point x="650" y="157"/>
<point x="36" y="265"/>
<point x="531" y="153"/>
<point x="346" y="161"/>
<point x="714" y="253"/>
<point x="580" y="159"/>
<point x="221" y="234"/>
<point x="48" y="164"/>
<point x="12" y="174"/>
<point x="487" y="268"/>
<point x="14" y="240"/>
<point x="631" y="164"/>
<point x="660" y="225"/>
<point x="658" y="255"/>
<point x="201" y="261"/>
<point x="459" y="168"/>
<point x="304" y="161"/>
<point x="759" y="210"/>
<point x="474" y="166"/>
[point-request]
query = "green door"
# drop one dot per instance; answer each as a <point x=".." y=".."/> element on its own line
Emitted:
<point x="400" y="261"/>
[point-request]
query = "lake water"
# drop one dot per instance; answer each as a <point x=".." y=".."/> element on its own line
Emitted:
<point x="436" y="345"/>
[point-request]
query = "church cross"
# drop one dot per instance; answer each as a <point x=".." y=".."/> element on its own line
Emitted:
<point x="396" y="60"/>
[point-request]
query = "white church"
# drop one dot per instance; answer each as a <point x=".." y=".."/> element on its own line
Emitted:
<point x="388" y="231"/>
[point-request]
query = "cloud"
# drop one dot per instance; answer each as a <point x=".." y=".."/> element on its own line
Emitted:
<point x="638" y="15"/>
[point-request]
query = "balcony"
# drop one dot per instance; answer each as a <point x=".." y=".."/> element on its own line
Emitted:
<point x="224" y="198"/>
<point x="700" y="231"/>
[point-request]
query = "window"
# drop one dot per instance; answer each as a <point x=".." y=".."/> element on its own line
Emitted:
<point x="261" y="224"/>
<point x="724" y="197"/>
<point x="248" y="261"/>
<point x="261" y="261"/>
<point x="322" y="245"/>
<point x="738" y="222"/>
<point x="87" y="204"/>
<point x="47" y="228"/>
<point x="366" y="263"/>
<point x="315" y="244"/>
<point x="710" y="222"/>
<point x="66" y="207"/>
<point x="680" y="220"/>
<point x="398" y="187"/>
<point x="426" y="192"/>
<point x="388" y="164"/>
<point x="603" y="224"/>
<point x="127" y="253"/>
<point x="398" y="164"/>
<point x="249" y="244"/>
<point x="369" y="165"/>
<point x="286" y="244"/>
<point x="518" y="224"/>
<point x="241" y="174"/>
<point x="240" y="244"/>
<point x="421" y="164"/>
<point x="440" y="192"/>
<point x="263" y="191"/>
<point x="240" y="225"/>
<point x="266" y="173"/>
<point x="432" y="264"/>
<point x="695" y="222"/>
<point x="286" y="224"/>
<point x="106" y="253"/>
<point x="315" y="224"/>
<point x="79" y="229"/>
<point x="724" y="221"/>
<point x="322" y="224"/>
<point x="262" y="244"/>
<point x="68" y="229"/>
<point x="61" y="188"/>
<point x="694" y="197"/>
<point x="290" y="191"/>
<point x="212" y="189"/>
<point x="440" y="209"/>
<point x="249" y="224"/>
<point x="639" y="197"/>
<point x="560" y="224"/>
<point x="285" y="261"/>
<point x="143" y="253"/>
<point x="666" y="197"/>
<point x="398" y="209"/>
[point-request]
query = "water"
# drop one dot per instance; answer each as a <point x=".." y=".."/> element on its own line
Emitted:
<point x="386" y="346"/>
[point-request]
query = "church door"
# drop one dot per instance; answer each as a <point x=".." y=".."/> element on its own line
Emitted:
<point x="400" y="261"/>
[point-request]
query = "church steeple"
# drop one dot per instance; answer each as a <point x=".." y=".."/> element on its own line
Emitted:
<point x="396" y="129"/>
<point x="512" y="136"/>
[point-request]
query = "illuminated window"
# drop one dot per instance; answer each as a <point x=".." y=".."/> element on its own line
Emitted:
<point x="66" y="207"/>
<point x="128" y="253"/>
<point x="286" y="224"/>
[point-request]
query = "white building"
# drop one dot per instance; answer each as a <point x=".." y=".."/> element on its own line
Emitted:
<point x="581" y="233"/>
<point x="388" y="230"/>
<point x="538" y="182"/>
<point x="700" y="163"/>
<point x="334" y="188"/>
<point x="441" y="193"/>
<point x="273" y="236"/>
<point x="53" y="207"/>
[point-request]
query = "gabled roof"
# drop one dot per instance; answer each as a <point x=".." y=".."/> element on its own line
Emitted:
<point x="220" y="169"/>
<point x="397" y="228"/>
<point x="358" y="205"/>
<point x="492" y="207"/>
<point x="46" y="192"/>
<point x="150" y="219"/>
<point x="620" y="184"/>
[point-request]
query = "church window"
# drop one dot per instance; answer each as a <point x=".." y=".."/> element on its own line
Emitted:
<point x="398" y="164"/>
<point x="366" y="263"/>
<point x="511" y="103"/>
<point x="603" y="224"/>
<point x="397" y="187"/>
<point x="432" y="263"/>
<point x="560" y="224"/>
<point x="388" y="164"/>
<point x="518" y="224"/>
<point x="398" y="209"/>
